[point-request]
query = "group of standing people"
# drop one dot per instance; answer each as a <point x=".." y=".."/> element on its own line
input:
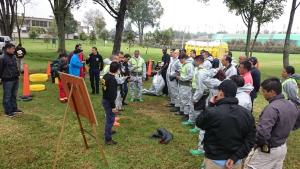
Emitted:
<point x="218" y="101"/>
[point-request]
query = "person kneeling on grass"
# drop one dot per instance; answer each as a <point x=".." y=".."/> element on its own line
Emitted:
<point x="109" y="88"/>
<point x="229" y="129"/>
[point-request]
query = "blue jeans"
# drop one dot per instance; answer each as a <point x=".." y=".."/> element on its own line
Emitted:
<point x="110" y="119"/>
<point x="10" y="92"/>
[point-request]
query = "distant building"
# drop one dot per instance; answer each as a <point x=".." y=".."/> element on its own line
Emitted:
<point x="44" y="23"/>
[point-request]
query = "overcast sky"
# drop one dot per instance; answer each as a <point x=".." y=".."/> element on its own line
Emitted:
<point x="188" y="15"/>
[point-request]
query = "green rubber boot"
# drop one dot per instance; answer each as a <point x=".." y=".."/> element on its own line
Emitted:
<point x="187" y="123"/>
<point x="196" y="152"/>
<point x="194" y="130"/>
<point x="140" y="100"/>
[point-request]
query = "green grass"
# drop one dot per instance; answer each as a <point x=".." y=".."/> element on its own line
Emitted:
<point x="29" y="141"/>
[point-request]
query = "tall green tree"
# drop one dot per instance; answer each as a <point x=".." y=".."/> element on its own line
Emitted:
<point x="94" y="19"/>
<point x="144" y="13"/>
<point x="7" y="16"/>
<point x="60" y="10"/>
<point x="247" y="10"/>
<point x="71" y="24"/>
<point x="117" y="10"/>
<point x="267" y="11"/>
<point x="20" y="6"/>
<point x="286" y="47"/>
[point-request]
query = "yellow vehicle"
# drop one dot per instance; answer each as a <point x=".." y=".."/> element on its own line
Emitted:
<point x="217" y="49"/>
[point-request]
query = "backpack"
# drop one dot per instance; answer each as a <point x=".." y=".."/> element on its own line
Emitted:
<point x="54" y="68"/>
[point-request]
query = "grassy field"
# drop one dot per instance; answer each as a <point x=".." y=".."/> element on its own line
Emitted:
<point x="29" y="141"/>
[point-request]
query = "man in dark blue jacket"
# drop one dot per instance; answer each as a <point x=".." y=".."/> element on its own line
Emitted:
<point x="229" y="129"/>
<point x="95" y="62"/>
<point x="9" y="74"/>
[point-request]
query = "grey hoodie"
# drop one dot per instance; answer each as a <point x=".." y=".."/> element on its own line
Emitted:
<point x="243" y="96"/>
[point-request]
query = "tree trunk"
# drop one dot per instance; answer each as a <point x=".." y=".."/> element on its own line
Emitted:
<point x="61" y="33"/>
<point x="141" y="33"/>
<point x="249" y="28"/>
<point x="7" y="17"/>
<point x="254" y="40"/>
<point x="120" y="26"/>
<point x="286" y="47"/>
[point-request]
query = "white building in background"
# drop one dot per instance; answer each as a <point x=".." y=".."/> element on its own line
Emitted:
<point x="44" y="23"/>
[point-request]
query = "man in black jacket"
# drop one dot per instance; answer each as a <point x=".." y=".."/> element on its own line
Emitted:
<point x="95" y="62"/>
<point x="20" y="54"/>
<point x="229" y="129"/>
<point x="166" y="60"/>
<point x="255" y="73"/>
<point x="9" y="74"/>
<point x="109" y="88"/>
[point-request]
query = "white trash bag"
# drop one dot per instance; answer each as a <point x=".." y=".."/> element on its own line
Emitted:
<point x="157" y="86"/>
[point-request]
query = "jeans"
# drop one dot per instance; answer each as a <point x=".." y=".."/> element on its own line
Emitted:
<point x="110" y="119"/>
<point x="165" y="89"/>
<point x="94" y="79"/>
<point x="10" y="92"/>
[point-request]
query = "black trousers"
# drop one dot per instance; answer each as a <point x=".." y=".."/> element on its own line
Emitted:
<point x="94" y="79"/>
<point x="165" y="89"/>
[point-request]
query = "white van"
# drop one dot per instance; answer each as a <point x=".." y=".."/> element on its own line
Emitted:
<point x="3" y="41"/>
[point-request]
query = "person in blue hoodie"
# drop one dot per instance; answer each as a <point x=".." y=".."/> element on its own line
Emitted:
<point x="75" y="64"/>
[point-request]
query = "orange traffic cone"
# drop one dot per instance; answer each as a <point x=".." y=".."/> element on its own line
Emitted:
<point x="26" y="91"/>
<point x="48" y="69"/>
<point x="149" y="68"/>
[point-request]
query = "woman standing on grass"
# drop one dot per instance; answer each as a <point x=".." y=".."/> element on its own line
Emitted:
<point x="75" y="64"/>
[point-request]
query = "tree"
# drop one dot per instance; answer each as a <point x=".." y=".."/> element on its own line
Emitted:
<point x="104" y="35"/>
<point x="7" y="16"/>
<point x="148" y="40"/>
<point x="286" y="47"/>
<point x="94" y="19"/>
<point x="117" y="12"/>
<point x="144" y="13"/>
<point x="129" y="37"/>
<point x="166" y="37"/>
<point x="93" y="37"/>
<point x="60" y="10"/>
<point x="20" y="19"/>
<point x="83" y="36"/>
<point x="246" y="9"/>
<point x="71" y="24"/>
<point x="267" y="11"/>
<point x="35" y="32"/>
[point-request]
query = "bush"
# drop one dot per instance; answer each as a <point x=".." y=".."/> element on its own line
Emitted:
<point x="83" y="36"/>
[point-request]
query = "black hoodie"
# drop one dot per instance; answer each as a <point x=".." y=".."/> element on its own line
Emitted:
<point x="229" y="130"/>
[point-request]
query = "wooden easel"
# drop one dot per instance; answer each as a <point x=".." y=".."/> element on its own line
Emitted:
<point x="72" y="101"/>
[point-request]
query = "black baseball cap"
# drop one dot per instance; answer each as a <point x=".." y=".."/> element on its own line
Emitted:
<point x="229" y="88"/>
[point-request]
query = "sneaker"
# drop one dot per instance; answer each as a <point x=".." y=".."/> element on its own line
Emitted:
<point x="18" y="111"/>
<point x="187" y="123"/>
<point x="111" y="142"/>
<point x="194" y="130"/>
<point x="131" y="100"/>
<point x="10" y="115"/>
<point x="196" y="152"/>
<point x="174" y="109"/>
